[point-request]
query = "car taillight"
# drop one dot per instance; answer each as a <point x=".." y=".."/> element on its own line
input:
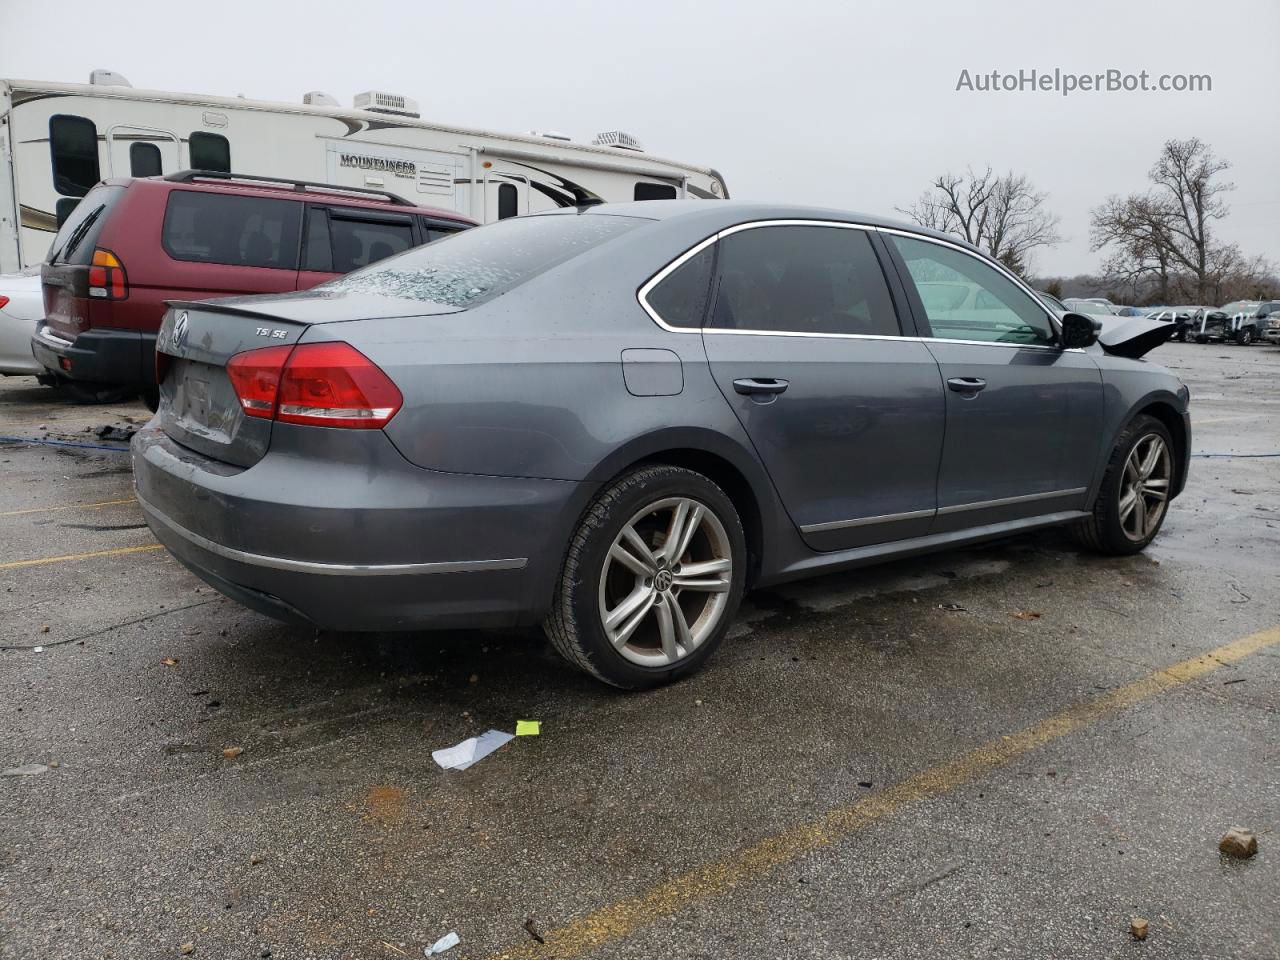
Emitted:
<point x="107" y="277"/>
<point x="318" y="384"/>
<point x="4" y="302"/>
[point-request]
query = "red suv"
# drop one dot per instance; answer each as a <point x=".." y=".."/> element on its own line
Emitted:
<point x="130" y="245"/>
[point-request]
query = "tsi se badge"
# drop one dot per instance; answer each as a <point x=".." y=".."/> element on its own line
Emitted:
<point x="273" y="334"/>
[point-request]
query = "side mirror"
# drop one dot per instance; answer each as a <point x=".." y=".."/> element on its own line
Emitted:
<point x="1079" y="331"/>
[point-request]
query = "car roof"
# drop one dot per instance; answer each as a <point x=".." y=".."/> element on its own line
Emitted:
<point x="332" y="195"/>
<point x="728" y="212"/>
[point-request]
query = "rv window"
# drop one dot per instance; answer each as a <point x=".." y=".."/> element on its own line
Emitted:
<point x="681" y="298"/>
<point x="508" y="201"/>
<point x="478" y="265"/>
<point x="655" y="191"/>
<point x="73" y="146"/>
<point x="358" y="243"/>
<point x="144" y="160"/>
<point x="210" y="151"/>
<point x="240" y="231"/>
<point x="806" y="280"/>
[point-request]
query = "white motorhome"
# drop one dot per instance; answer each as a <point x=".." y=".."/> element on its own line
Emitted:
<point x="58" y="139"/>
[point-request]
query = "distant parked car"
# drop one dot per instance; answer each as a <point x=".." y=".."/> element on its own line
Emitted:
<point x="1269" y="321"/>
<point x="1096" y="308"/>
<point x="615" y="418"/>
<point x="1241" y="321"/>
<point x="1184" y="317"/>
<point x="130" y="245"/>
<point x="21" y="306"/>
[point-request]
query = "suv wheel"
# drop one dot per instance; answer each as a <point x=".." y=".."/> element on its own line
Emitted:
<point x="1134" y="498"/>
<point x="1245" y="337"/>
<point x="651" y="580"/>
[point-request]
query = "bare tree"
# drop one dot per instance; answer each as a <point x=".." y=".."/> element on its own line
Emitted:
<point x="1003" y="215"/>
<point x="1166" y="234"/>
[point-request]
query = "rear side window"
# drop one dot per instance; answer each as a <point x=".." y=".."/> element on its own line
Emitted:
<point x="655" y="191"/>
<point x="234" y="230"/>
<point x="435" y="229"/>
<point x="680" y="298"/>
<point x="797" y="279"/>
<point x="144" y="160"/>
<point x="357" y="243"/>
<point x="73" y="146"/>
<point x="210" y="151"/>
<point x="79" y="232"/>
<point x="483" y="263"/>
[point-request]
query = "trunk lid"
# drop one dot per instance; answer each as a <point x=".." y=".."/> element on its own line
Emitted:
<point x="199" y="407"/>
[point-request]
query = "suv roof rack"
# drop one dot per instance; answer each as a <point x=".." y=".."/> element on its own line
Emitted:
<point x="299" y="186"/>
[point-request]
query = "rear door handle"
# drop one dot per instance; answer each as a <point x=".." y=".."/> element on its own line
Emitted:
<point x="967" y="384"/>
<point x="765" y="385"/>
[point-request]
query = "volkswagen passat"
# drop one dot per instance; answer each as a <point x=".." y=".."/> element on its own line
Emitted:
<point x="613" y="420"/>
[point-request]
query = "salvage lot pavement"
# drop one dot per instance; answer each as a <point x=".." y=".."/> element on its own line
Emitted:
<point x="863" y="770"/>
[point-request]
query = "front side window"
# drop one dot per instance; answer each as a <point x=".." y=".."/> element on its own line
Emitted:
<point x="234" y="230"/>
<point x="73" y="146"/>
<point x="802" y="279"/>
<point x="680" y="298"/>
<point x="357" y="243"/>
<point x="478" y="265"/>
<point x="210" y="151"/>
<point x="965" y="299"/>
<point x="144" y="160"/>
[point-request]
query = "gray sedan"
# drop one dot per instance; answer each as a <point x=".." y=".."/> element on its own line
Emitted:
<point x="613" y="420"/>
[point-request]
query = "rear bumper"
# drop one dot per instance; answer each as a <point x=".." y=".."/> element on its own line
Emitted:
<point x="1271" y="334"/>
<point x="358" y="539"/>
<point x="15" y="345"/>
<point x="98" y="356"/>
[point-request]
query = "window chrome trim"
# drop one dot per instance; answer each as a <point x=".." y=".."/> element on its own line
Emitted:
<point x="1010" y="501"/>
<point x="332" y="569"/>
<point x="642" y="295"/>
<point x="866" y="521"/>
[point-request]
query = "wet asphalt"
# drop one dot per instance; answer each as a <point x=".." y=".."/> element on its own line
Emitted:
<point x="807" y="796"/>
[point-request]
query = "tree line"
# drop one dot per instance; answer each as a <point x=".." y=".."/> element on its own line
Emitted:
<point x="1159" y="246"/>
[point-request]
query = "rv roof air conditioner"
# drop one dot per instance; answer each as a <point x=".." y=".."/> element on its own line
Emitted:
<point x="619" y="139"/>
<point x="551" y="135"/>
<point x="108" y="78"/>
<point x="318" y="98"/>
<point x="376" y="101"/>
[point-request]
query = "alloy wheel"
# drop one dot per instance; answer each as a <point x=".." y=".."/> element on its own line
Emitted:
<point x="1144" y="487"/>
<point x="665" y="583"/>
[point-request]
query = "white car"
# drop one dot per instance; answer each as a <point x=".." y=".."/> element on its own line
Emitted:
<point x="21" y="305"/>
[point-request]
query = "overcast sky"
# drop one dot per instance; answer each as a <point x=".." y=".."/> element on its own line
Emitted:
<point x="847" y="104"/>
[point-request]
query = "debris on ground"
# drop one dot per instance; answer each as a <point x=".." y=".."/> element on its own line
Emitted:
<point x="1026" y="615"/>
<point x="26" y="770"/>
<point x="528" y="728"/>
<point x="232" y="752"/>
<point x="45" y="628"/>
<point x="1138" y="928"/>
<point x="169" y="662"/>
<point x="188" y="947"/>
<point x="1239" y="842"/>
<point x="447" y="942"/>
<point x="471" y="751"/>
<point x="531" y="928"/>
<point x="110" y="432"/>
<point x="953" y="606"/>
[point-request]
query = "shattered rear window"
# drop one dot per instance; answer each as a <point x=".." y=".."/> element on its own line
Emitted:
<point x="467" y="268"/>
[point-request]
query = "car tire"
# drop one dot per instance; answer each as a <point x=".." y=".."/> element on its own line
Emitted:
<point x="671" y="627"/>
<point x="1117" y="525"/>
<point x="84" y="391"/>
<point x="1244" y="337"/>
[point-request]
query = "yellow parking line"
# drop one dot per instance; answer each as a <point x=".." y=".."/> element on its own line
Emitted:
<point x="70" y="506"/>
<point x="117" y="552"/>
<point x="619" y="920"/>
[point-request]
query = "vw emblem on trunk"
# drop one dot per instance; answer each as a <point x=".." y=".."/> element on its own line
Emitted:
<point x="180" y="330"/>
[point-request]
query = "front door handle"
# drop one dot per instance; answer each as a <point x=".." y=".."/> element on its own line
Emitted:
<point x="969" y="385"/>
<point x="765" y="385"/>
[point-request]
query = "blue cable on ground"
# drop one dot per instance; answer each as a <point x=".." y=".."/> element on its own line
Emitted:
<point x="64" y="443"/>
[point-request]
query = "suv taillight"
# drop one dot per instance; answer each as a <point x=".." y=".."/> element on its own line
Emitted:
<point x="107" y="277"/>
<point x="318" y="384"/>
